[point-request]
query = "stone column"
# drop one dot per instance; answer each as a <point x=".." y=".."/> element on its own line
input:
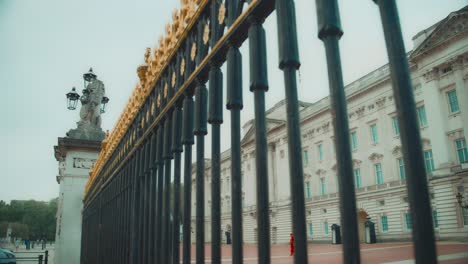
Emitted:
<point x="75" y="157"/>
<point x="273" y="182"/>
<point x="437" y="119"/>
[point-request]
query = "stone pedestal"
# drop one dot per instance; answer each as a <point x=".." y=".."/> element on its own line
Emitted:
<point x="75" y="157"/>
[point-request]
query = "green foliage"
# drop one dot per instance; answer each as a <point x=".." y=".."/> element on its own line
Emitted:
<point x="29" y="219"/>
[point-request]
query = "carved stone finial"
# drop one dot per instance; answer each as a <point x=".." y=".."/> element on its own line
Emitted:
<point x="147" y="55"/>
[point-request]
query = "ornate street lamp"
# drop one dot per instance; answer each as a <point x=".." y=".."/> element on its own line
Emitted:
<point x="104" y="102"/>
<point x="72" y="99"/>
<point x="73" y="96"/>
<point x="460" y="201"/>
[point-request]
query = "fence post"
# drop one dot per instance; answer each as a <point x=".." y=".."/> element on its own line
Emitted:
<point x="46" y="260"/>
<point x="40" y="259"/>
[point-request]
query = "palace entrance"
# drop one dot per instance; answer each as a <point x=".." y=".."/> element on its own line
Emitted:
<point x="362" y="217"/>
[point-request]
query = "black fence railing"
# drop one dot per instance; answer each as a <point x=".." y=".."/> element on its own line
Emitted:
<point x="40" y="257"/>
<point x="127" y="211"/>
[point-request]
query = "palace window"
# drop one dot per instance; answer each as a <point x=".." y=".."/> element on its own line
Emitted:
<point x="429" y="160"/>
<point x="378" y="173"/>
<point x="396" y="126"/>
<point x="422" y="116"/>
<point x="374" y="135"/>
<point x="357" y="178"/>
<point x="401" y="169"/>
<point x="453" y="101"/>
<point x="325" y="227"/>
<point x="465" y="216"/>
<point x="308" y="192"/>
<point x="320" y="152"/>
<point x="462" y="152"/>
<point x="408" y="221"/>
<point x="306" y="157"/>
<point x="435" y="218"/>
<point x="384" y="222"/>
<point x="354" y="141"/>
<point x="322" y="186"/>
<point x="311" y="231"/>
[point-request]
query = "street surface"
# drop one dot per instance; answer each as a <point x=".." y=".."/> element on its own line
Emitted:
<point x="394" y="253"/>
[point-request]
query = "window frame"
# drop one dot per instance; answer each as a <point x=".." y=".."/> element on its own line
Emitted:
<point x="323" y="186"/>
<point x="395" y="126"/>
<point x="374" y="133"/>
<point x="320" y="151"/>
<point x="308" y="191"/>
<point x="305" y="156"/>
<point x="422" y="114"/>
<point x="384" y="230"/>
<point x="435" y="218"/>
<point x="431" y="160"/>
<point x="356" y="177"/>
<point x="401" y="168"/>
<point x="464" y="150"/>
<point x="377" y="175"/>
<point x="326" y="230"/>
<point x="452" y="91"/>
<point x="408" y="224"/>
<point x="354" y="140"/>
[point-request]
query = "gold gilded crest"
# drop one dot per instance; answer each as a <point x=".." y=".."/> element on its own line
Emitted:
<point x="206" y="34"/>
<point x="221" y="14"/>
<point x="193" y="52"/>
<point x="182" y="67"/>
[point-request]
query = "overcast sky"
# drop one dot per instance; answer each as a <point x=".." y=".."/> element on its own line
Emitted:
<point x="46" y="46"/>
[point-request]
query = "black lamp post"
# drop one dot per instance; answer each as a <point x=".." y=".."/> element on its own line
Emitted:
<point x="460" y="201"/>
<point x="72" y="99"/>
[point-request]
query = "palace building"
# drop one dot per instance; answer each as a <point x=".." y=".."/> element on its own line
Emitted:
<point x="439" y="69"/>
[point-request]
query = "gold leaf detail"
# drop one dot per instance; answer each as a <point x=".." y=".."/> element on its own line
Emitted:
<point x="165" y="90"/>
<point x="206" y="34"/>
<point x="221" y="14"/>
<point x="193" y="52"/>
<point x="182" y="67"/>
<point x="159" y="100"/>
<point x="173" y="79"/>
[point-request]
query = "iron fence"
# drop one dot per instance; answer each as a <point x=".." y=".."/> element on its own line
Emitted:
<point x="127" y="211"/>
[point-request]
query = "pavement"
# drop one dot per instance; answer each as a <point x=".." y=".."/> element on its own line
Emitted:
<point x="394" y="253"/>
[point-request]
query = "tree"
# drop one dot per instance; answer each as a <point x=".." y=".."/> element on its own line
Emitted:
<point x="33" y="219"/>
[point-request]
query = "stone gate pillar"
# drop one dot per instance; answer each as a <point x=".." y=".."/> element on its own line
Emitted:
<point x="75" y="157"/>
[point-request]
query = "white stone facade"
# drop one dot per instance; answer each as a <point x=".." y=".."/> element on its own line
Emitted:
<point x="75" y="158"/>
<point x="439" y="70"/>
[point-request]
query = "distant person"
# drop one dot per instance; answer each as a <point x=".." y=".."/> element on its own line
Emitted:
<point x="17" y="244"/>
<point x="291" y="245"/>
<point x="27" y="243"/>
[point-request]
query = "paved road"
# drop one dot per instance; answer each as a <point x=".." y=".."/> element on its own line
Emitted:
<point x="395" y="253"/>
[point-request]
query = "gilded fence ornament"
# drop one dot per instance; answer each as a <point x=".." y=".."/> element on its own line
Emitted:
<point x="165" y="90"/>
<point x="193" y="52"/>
<point x="222" y="14"/>
<point x="182" y="67"/>
<point x="173" y="79"/>
<point x="206" y="34"/>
